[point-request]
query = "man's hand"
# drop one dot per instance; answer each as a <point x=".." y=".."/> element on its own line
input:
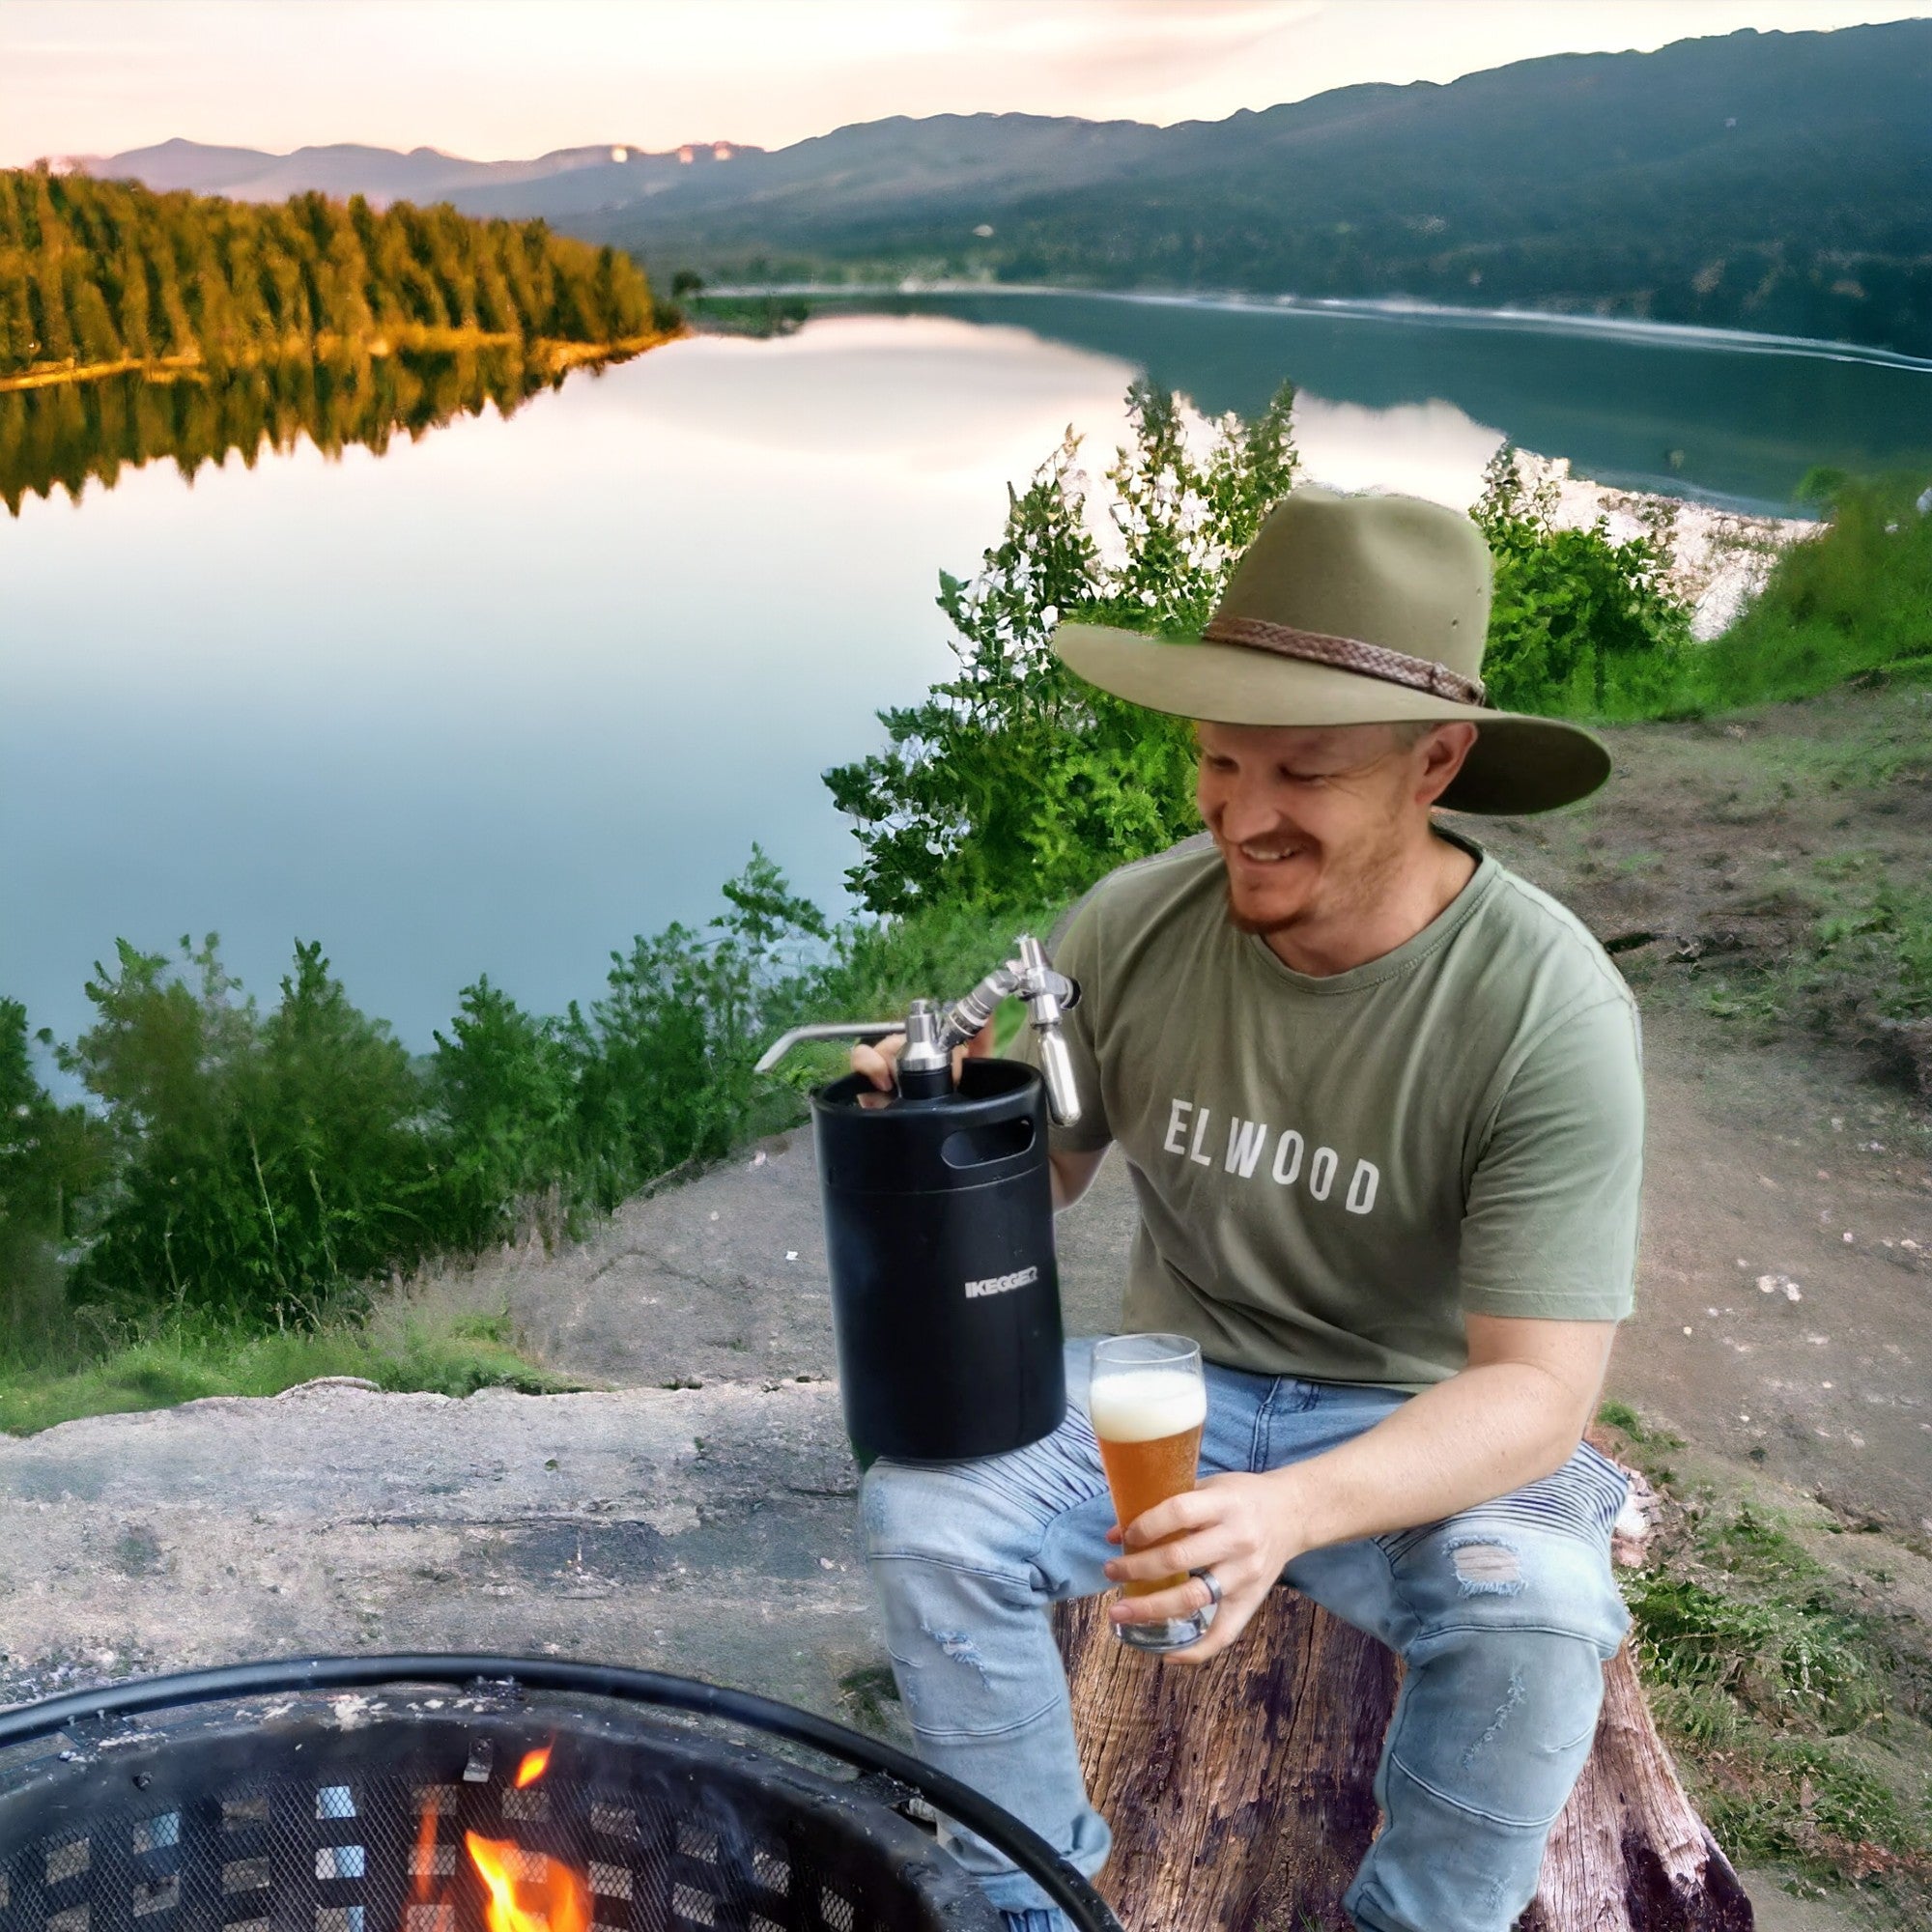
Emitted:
<point x="1515" y="1413"/>
<point x="878" y="1062"/>
<point x="1239" y="1526"/>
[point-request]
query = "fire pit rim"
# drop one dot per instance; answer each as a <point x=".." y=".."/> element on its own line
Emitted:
<point x="1066" y="1885"/>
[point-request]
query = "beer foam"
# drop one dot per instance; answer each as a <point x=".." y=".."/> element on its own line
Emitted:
<point x="1142" y="1405"/>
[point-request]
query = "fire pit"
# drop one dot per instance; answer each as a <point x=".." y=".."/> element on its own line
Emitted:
<point x="475" y="1794"/>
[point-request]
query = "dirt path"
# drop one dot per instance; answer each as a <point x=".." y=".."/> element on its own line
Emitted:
<point x="1782" y="1302"/>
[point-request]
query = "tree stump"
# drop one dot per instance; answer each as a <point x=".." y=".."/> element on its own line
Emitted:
<point x="1239" y="1793"/>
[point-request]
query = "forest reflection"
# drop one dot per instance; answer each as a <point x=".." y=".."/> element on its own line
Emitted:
<point x="64" y="435"/>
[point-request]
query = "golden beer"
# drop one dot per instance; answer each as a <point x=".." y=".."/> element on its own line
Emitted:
<point x="1149" y="1418"/>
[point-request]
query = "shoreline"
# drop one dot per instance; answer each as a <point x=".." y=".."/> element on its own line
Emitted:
<point x="1719" y="559"/>
<point x="552" y="352"/>
<point x="1367" y="308"/>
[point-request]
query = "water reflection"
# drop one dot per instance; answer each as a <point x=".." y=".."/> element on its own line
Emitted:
<point x="66" y="435"/>
<point x="501" y="698"/>
<point x="1734" y="423"/>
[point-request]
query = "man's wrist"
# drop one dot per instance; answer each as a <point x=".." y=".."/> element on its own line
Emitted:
<point x="1300" y="1506"/>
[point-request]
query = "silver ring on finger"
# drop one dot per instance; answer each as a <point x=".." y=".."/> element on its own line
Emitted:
<point x="1213" y="1583"/>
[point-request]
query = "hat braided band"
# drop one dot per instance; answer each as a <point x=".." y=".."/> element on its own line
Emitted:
<point x="1346" y="654"/>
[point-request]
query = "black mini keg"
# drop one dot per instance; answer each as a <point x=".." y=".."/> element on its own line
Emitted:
<point x="938" y="1203"/>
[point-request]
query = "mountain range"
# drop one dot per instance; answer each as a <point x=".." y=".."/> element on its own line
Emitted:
<point x="382" y="175"/>
<point x="1767" y="181"/>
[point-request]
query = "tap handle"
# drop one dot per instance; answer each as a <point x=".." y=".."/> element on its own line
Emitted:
<point x="826" y="1029"/>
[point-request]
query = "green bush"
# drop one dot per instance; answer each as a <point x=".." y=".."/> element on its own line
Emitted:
<point x="252" y="1169"/>
<point x="506" y="1085"/>
<point x="262" y="1163"/>
<point x="1014" y="783"/>
<point x="664" y="1060"/>
<point x="1580" y="624"/>
<point x="50" y="1159"/>
<point x="1855" y="599"/>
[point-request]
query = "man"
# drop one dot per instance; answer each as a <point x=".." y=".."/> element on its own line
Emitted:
<point x="1382" y="1107"/>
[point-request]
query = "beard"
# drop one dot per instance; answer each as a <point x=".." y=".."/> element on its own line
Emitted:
<point x="1243" y="922"/>
<point x="1351" y="882"/>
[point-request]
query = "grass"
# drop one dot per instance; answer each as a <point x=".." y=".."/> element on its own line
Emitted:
<point x="402" y="1349"/>
<point x="1620" y="1415"/>
<point x="1852" y="603"/>
<point x="1855" y="601"/>
<point x="1802" y="1726"/>
<point x="1864" y="971"/>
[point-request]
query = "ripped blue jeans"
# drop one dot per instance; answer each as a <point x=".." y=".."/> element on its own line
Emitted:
<point x="1503" y="1617"/>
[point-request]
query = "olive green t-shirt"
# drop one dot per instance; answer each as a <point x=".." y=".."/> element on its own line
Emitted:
<point x="1333" y="1171"/>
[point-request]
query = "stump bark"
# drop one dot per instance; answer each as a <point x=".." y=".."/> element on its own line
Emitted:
<point x="1239" y="1793"/>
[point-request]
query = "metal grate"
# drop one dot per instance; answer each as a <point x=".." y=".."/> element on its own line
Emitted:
<point x="345" y="1815"/>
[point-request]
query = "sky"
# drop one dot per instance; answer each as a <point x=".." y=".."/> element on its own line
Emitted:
<point x="500" y="79"/>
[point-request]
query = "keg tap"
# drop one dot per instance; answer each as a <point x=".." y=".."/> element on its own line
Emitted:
<point x="938" y="1207"/>
<point x="925" y="1069"/>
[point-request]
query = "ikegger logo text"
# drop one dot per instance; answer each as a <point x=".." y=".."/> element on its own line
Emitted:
<point x="1002" y="1284"/>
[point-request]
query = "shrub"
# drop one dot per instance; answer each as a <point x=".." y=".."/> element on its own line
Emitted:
<point x="1854" y="599"/>
<point x="261" y="1163"/>
<point x="1014" y="783"/>
<point x="664" y="1060"/>
<point x="1580" y="624"/>
<point x="50" y="1157"/>
<point x="506" y="1085"/>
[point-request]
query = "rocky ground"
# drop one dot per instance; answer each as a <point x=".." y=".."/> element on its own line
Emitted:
<point x="695" y="1513"/>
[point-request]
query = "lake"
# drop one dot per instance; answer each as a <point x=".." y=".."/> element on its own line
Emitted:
<point x="517" y="688"/>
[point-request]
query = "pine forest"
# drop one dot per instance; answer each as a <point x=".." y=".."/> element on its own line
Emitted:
<point x="101" y="276"/>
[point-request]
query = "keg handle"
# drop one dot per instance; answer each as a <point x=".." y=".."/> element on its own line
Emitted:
<point x="931" y="1035"/>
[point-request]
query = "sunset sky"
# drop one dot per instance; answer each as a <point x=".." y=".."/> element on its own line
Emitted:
<point x="501" y="79"/>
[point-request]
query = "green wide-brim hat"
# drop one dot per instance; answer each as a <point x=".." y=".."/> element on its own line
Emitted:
<point x="1354" y="610"/>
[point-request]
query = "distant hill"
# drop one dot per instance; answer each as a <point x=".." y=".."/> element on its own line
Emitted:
<point x="382" y="175"/>
<point x="1774" y="182"/>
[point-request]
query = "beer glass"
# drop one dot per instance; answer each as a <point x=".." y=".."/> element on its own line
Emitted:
<point x="1148" y="1403"/>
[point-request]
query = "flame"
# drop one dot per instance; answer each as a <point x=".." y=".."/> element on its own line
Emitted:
<point x="423" y="1863"/>
<point x="535" y="1763"/>
<point x="557" y="1899"/>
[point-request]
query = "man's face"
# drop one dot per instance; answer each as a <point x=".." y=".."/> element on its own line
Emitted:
<point x="1311" y="821"/>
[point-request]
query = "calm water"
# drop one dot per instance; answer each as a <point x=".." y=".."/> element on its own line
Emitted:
<point x="500" y="697"/>
<point x="1733" y="421"/>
